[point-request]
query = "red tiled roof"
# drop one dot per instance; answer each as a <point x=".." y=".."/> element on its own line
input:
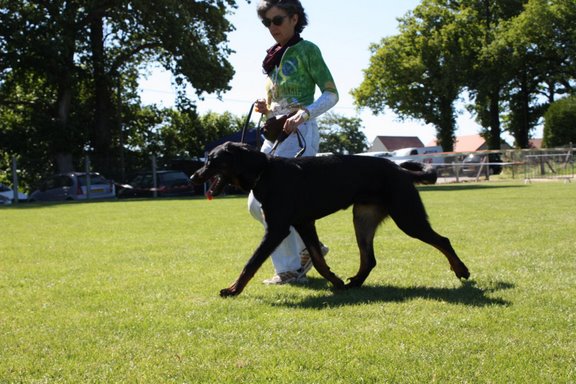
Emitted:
<point x="392" y="143"/>
<point x="470" y="143"/>
<point x="535" y="143"/>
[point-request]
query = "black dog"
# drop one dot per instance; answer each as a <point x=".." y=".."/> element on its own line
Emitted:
<point x="299" y="191"/>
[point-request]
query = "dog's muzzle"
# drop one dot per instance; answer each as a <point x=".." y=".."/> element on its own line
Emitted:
<point x="217" y="183"/>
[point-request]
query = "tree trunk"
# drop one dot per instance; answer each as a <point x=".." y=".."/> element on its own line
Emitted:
<point x="522" y="114"/>
<point x="64" y="159"/>
<point x="494" y="140"/>
<point x="103" y="108"/>
<point x="61" y="142"/>
<point x="446" y="126"/>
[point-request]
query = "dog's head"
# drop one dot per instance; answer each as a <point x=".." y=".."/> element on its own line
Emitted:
<point x="230" y="163"/>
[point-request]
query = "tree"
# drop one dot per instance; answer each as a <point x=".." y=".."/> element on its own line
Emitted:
<point x="560" y="123"/>
<point x="490" y="66"/>
<point x="79" y="53"/>
<point x="542" y="42"/>
<point x="513" y="57"/>
<point x="417" y="73"/>
<point x="171" y="134"/>
<point x="340" y="134"/>
<point x="186" y="134"/>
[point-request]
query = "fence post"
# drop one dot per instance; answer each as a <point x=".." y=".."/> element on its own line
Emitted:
<point x="15" y="179"/>
<point x="154" y="181"/>
<point x="513" y="160"/>
<point x="88" y="182"/>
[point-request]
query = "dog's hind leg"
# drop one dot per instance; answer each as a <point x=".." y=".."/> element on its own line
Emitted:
<point x="411" y="218"/>
<point x="307" y="232"/>
<point x="367" y="217"/>
<point x="443" y="245"/>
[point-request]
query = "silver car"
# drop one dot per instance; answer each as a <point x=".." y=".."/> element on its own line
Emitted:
<point x="74" y="186"/>
<point x="7" y="195"/>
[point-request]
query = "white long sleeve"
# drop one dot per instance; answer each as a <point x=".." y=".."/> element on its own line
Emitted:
<point x="321" y="105"/>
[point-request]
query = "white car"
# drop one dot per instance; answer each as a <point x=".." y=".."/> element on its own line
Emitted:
<point x="420" y="154"/>
<point x="74" y="186"/>
<point x="381" y="154"/>
<point x="7" y="195"/>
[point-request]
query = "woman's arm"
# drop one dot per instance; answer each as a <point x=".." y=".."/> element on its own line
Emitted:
<point x="326" y="101"/>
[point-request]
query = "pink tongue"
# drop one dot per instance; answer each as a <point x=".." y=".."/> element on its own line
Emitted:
<point x="214" y="183"/>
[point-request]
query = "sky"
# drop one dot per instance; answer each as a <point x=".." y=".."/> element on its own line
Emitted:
<point x="343" y="30"/>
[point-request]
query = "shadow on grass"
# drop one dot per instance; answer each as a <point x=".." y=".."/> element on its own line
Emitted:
<point x="56" y="204"/>
<point x="466" y="187"/>
<point x="467" y="294"/>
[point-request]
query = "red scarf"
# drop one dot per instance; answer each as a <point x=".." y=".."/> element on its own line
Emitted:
<point x="274" y="53"/>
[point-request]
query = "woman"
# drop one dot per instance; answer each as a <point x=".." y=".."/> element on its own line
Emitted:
<point x="294" y="68"/>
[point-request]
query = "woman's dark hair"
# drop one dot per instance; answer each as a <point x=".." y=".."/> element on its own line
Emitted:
<point x="292" y="7"/>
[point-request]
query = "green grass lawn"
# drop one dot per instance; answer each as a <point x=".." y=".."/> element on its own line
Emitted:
<point x="127" y="291"/>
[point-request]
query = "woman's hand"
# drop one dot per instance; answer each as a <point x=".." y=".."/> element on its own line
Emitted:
<point x="293" y="122"/>
<point x="261" y="106"/>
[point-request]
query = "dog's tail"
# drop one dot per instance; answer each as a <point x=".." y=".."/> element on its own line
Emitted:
<point x="421" y="173"/>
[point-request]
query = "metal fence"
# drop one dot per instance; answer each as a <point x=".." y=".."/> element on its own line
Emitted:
<point x="528" y="165"/>
<point x="549" y="166"/>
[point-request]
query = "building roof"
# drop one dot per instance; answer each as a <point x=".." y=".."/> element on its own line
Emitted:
<point x="535" y="143"/>
<point x="392" y="143"/>
<point x="471" y="143"/>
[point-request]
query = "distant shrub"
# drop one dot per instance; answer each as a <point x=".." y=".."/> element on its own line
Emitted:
<point x="560" y="123"/>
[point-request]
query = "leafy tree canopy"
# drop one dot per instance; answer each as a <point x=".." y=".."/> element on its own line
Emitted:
<point x="418" y="73"/>
<point x="340" y="134"/>
<point x="560" y="123"/>
<point x="511" y="57"/>
<point x="69" y="69"/>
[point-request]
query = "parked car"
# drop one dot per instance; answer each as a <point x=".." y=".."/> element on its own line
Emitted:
<point x="472" y="163"/>
<point x="7" y="195"/>
<point x="168" y="184"/>
<point x="382" y="154"/>
<point x="419" y="154"/>
<point x="74" y="186"/>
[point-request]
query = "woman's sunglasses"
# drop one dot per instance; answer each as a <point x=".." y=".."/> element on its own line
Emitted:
<point x="276" y="20"/>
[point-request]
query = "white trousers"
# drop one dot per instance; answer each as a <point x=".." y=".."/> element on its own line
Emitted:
<point x="286" y="257"/>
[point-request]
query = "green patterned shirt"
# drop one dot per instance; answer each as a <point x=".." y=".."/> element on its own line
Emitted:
<point x="293" y="83"/>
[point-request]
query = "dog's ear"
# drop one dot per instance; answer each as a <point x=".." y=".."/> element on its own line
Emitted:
<point x="245" y="157"/>
<point x="236" y="148"/>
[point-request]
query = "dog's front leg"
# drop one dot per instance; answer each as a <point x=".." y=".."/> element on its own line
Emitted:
<point x="272" y="238"/>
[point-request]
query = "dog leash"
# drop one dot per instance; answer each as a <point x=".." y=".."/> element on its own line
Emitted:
<point x="280" y="139"/>
<point x="246" y="123"/>
<point x="283" y="136"/>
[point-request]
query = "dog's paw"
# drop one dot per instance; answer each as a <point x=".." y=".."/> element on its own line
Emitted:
<point x="339" y="284"/>
<point x="228" y="292"/>
<point x="461" y="272"/>
<point x="355" y="282"/>
<point x="352" y="284"/>
<point x="463" y="275"/>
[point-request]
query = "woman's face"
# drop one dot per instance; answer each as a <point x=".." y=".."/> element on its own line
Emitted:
<point x="281" y="33"/>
